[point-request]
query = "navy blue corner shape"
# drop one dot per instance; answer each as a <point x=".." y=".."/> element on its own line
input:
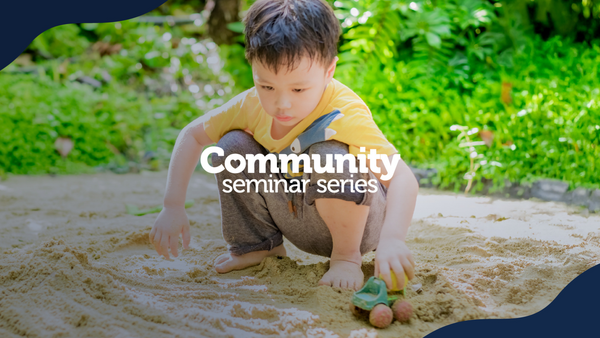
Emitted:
<point x="22" y="21"/>
<point x="575" y="312"/>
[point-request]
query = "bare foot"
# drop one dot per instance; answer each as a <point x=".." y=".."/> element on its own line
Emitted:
<point x="228" y="261"/>
<point x="344" y="274"/>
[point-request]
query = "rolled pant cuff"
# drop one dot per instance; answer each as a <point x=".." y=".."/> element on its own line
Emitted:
<point x="268" y="244"/>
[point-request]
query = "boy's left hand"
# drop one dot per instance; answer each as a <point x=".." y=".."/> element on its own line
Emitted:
<point x="393" y="255"/>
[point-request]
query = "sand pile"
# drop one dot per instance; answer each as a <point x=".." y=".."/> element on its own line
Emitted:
<point x="74" y="264"/>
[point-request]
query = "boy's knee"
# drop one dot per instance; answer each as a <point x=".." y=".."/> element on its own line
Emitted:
<point x="328" y="147"/>
<point x="344" y="160"/>
<point x="344" y="188"/>
<point x="234" y="142"/>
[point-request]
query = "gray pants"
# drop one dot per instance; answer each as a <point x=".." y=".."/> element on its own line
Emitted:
<point x="254" y="221"/>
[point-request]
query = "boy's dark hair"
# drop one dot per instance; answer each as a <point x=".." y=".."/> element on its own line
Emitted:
<point x="280" y="32"/>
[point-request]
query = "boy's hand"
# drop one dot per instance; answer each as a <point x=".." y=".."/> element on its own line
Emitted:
<point x="393" y="255"/>
<point x="165" y="233"/>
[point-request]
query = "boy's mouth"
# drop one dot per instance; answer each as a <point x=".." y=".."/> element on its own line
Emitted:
<point x="284" y="118"/>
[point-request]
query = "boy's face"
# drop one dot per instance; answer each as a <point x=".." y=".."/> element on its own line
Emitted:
<point x="290" y="96"/>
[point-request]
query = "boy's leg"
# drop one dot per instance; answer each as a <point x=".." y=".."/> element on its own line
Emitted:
<point x="346" y="222"/>
<point x="343" y="225"/>
<point x="253" y="223"/>
<point x="347" y="216"/>
<point x="247" y="225"/>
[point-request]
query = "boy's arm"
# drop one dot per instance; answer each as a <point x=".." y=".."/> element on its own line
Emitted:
<point x="186" y="153"/>
<point x="392" y="253"/>
<point x="173" y="220"/>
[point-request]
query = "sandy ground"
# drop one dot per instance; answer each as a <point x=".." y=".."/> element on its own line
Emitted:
<point x="74" y="264"/>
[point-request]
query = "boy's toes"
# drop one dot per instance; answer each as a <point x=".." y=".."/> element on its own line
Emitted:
<point x="222" y="258"/>
<point x="345" y="275"/>
<point x="325" y="281"/>
<point x="225" y="266"/>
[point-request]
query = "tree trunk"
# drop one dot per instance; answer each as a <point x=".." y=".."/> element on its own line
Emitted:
<point x="518" y="9"/>
<point x="223" y="13"/>
<point x="563" y="18"/>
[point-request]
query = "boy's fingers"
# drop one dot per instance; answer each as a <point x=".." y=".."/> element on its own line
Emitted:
<point x="411" y="260"/>
<point x="378" y="266"/>
<point x="399" y="272"/>
<point x="151" y="235"/>
<point x="164" y="246"/>
<point x="186" y="237"/>
<point x="409" y="269"/>
<point x="384" y="271"/>
<point x="173" y="243"/>
<point x="156" y="242"/>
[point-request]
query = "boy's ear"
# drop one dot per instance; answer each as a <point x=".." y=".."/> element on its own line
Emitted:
<point x="331" y="68"/>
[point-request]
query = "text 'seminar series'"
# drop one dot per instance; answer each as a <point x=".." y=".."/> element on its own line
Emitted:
<point x="298" y="163"/>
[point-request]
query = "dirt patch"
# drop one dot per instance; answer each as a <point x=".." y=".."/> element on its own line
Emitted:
<point x="73" y="264"/>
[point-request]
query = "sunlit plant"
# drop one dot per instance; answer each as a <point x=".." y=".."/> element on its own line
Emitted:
<point x="476" y="159"/>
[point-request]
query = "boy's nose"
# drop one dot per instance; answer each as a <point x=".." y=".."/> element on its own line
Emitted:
<point x="283" y="103"/>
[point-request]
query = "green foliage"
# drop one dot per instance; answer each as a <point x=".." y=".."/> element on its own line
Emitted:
<point x="178" y="7"/>
<point x="154" y="80"/>
<point x="33" y="113"/>
<point x="515" y="77"/>
<point x="237" y="66"/>
<point x="461" y="63"/>
<point x="61" y="41"/>
<point x="477" y="160"/>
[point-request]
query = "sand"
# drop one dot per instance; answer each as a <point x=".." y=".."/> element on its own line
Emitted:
<point x="74" y="264"/>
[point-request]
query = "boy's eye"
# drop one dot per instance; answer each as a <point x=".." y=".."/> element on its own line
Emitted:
<point x="298" y="90"/>
<point x="267" y="87"/>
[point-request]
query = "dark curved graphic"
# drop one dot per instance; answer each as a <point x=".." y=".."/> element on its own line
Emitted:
<point x="23" y="21"/>
<point x="574" y="313"/>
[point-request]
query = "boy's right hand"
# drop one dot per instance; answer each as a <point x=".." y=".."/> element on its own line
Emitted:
<point x="165" y="233"/>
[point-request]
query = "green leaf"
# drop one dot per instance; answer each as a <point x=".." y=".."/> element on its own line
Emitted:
<point x="237" y="27"/>
<point x="89" y="26"/>
<point x="433" y="40"/>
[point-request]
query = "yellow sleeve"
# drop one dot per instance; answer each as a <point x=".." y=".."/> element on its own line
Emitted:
<point x="360" y="130"/>
<point x="232" y="115"/>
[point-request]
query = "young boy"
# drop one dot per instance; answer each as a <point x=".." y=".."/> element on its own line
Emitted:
<point x="296" y="107"/>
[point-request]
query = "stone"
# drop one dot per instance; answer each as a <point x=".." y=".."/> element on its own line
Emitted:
<point x="149" y="155"/>
<point x="579" y="196"/>
<point x="106" y="76"/>
<point x="516" y="190"/>
<point x="549" y="190"/>
<point x="89" y="81"/>
<point x="594" y="201"/>
<point x="421" y="174"/>
<point x="424" y="174"/>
